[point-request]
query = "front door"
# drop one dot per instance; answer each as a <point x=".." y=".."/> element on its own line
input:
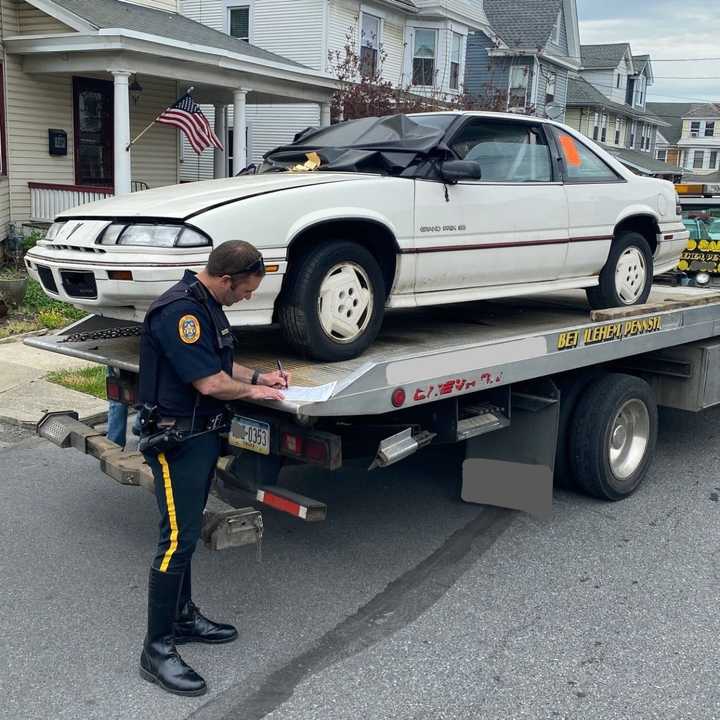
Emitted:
<point x="93" y="110"/>
<point x="509" y="227"/>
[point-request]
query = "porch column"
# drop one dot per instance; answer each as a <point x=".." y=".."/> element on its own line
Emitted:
<point x="121" y="124"/>
<point x="239" y="130"/>
<point x="324" y="114"/>
<point x="220" y="156"/>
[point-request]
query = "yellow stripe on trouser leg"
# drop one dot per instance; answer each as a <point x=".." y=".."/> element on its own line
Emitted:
<point x="170" y="502"/>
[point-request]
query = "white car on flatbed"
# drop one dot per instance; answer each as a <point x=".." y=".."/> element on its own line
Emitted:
<point x="393" y="212"/>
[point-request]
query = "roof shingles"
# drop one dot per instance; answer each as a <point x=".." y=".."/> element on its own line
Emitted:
<point x="599" y="57"/>
<point x="115" y="14"/>
<point x="523" y="23"/>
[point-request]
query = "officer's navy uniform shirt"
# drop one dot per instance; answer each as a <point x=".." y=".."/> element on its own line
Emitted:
<point x="192" y="340"/>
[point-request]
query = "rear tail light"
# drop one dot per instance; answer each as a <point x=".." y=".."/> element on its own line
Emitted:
<point x="119" y="391"/>
<point x="291" y="444"/>
<point x="316" y="451"/>
<point x="398" y="397"/>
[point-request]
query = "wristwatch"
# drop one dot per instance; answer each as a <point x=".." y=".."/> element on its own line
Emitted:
<point x="255" y="377"/>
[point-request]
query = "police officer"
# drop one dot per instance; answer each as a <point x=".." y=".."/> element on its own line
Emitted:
<point x="187" y="373"/>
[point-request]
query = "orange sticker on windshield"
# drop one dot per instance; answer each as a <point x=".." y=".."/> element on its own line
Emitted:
<point x="570" y="151"/>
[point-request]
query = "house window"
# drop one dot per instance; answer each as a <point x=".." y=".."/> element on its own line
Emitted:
<point x="3" y="141"/>
<point x="517" y="96"/>
<point x="239" y="23"/>
<point x="695" y="128"/>
<point x="550" y="88"/>
<point x="455" y="56"/>
<point x="603" y="128"/>
<point x="662" y="155"/>
<point x="698" y="158"/>
<point x="619" y="78"/>
<point x="618" y="126"/>
<point x="424" y="57"/>
<point x="369" y="45"/>
<point x="709" y="129"/>
<point x="596" y="126"/>
<point x="713" y="159"/>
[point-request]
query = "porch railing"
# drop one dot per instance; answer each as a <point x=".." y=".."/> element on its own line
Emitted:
<point x="47" y="200"/>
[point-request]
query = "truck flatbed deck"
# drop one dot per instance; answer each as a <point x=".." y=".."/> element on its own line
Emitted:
<point x="452" y="350"/>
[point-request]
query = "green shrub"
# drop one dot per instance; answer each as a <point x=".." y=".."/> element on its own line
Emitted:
<point x="36" y="300"/>
<point x="52" y="318"/>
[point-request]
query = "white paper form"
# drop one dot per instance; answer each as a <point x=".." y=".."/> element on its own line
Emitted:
<point x="299" y="393"/>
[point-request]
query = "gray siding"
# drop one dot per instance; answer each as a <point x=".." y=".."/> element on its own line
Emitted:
<point x="562" y="48"/>
<point x="561" y="84"/>
<point x="484" y="74"/>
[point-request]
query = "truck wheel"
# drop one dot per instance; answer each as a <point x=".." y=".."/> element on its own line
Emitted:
<point x="333" y="302"/>
<point x="627" y="276"/>
<point x="612" y="437"/>
<point x="571" y="386"/>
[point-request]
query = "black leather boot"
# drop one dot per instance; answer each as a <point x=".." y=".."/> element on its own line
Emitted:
<point x="160" y="662"/>
<point x="192" y="626"/>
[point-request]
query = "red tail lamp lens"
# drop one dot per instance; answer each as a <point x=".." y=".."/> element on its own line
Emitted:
<point x="315" y="451"/>
<point x="292" y="443"/>
<point x="398" y="397"/>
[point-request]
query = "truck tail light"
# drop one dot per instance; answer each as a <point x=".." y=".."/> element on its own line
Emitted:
<point x="316" y="451"/>
<point x="292" y="444"/>
<point x="120" y="390"/>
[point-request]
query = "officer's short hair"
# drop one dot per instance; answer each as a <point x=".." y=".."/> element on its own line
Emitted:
<point x="235" y="257"/>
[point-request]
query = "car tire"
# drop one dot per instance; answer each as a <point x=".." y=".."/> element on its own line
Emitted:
<point x="333" y="301"/>
<point x="613" y="436"/>
<point x="627" y="276"/>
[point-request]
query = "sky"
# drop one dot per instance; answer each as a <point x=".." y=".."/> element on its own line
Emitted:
<point x="662" y="29"/>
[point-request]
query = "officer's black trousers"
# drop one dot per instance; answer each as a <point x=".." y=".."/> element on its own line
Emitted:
<point x="182" y="482"/>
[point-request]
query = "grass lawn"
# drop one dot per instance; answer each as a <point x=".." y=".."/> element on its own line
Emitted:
<point x="90" y="380"/>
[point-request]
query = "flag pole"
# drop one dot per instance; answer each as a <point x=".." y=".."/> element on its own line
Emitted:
<point x="132" y="142"/>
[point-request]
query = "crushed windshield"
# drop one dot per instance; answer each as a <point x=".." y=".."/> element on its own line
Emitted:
<point x="386" y="145"/>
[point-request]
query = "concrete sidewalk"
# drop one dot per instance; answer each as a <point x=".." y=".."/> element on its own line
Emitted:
<point x="25" y="395"/>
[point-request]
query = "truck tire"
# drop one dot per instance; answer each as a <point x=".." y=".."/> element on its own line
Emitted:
<point x="333" y="302"/>
<point x="627" y="276"/>
<point x="571" y="386"/>
<point x="613" y="435"/>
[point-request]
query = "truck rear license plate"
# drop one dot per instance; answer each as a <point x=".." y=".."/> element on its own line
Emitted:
<point x="251" y="435"/>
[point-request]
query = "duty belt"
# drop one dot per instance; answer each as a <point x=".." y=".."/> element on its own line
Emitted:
<point x="200" y="424"/>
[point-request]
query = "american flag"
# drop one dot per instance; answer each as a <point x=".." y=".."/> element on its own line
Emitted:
<point x="187" y="115"/>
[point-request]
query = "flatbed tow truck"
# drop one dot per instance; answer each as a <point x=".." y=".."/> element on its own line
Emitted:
<point x="537" y="389"/>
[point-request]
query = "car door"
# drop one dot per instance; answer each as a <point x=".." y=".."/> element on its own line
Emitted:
<point x="509" y="227"/>
<point x="596" y="196"/>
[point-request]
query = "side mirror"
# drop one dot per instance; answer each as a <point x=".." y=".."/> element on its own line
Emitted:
<point x="453" y="171"/>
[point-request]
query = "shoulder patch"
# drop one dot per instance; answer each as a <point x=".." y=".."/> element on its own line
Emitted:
<point x="189" y="329"/>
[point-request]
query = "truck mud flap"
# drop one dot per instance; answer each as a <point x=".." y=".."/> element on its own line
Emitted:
<point x="513" y="467"/>
<point x="224" y="526"/>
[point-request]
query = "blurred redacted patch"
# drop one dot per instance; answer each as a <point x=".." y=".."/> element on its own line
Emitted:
<point x="570" y="151"/>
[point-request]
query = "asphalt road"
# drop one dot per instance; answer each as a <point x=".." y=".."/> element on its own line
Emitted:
<point x="404" y="604"/>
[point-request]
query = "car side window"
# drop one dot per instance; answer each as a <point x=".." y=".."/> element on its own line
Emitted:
<point x="581" y="163"/>
<point x="507" y="151"/>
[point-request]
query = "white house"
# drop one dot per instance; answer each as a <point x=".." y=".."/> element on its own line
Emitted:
<point x="423" y="42"/>
<point x="699" y="142"/>
<point x="81" y="78"/>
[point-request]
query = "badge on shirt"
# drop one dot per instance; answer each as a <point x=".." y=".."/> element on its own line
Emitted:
<point x="189" y="329"/>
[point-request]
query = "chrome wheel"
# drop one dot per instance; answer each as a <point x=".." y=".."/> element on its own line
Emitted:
<point x="630" y="275"/>
<point x="345" y="302"/>
<point x="629" y="439"/>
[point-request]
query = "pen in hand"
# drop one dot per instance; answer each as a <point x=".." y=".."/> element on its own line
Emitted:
<point x="282" y="373"/>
